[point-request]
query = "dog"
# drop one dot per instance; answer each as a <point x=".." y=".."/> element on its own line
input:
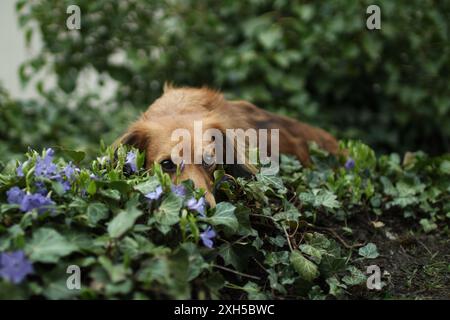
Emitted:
<point x="181" y="107"/>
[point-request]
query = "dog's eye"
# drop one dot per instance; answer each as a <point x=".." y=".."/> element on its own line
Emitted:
<point x="168" y="165"/>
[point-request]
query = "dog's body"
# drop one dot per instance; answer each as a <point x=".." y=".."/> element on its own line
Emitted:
<point x="180" y="107"/>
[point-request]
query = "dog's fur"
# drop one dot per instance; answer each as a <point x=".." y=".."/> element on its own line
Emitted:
<point x="180" y="107"/>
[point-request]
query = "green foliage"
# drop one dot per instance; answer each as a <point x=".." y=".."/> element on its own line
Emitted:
<point x="38" y="124"/>
<point x="268" y="241"/>
<point x="316" y="60"/>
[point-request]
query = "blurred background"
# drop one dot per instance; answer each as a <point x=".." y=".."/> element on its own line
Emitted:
<point x="312" y="60"/>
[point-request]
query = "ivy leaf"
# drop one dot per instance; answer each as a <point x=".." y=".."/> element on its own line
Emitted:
<point x="76" y="156"/>
<point x="237" y="255"/>
<point x="428" y="225"/>
<point x="356" y="276"/>
<point x="445" y="167"/>
<point x="369" y="251"/>
<point x="47" y="245"/>
<point x="147" y="186"/>
<point x="168" y="213"/>
<point x="96" y="212"/>
<point x="314" y="253"/>
<point x="320" y="197"/>
<point x="336" y="287"/>
<point x="224" y="215"/>
<point x="273" y="181"/>
<point x="305" y="268"/>
<point x="123" y="221"/>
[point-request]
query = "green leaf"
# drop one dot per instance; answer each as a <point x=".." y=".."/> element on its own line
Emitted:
<point x="168" y="213"/>
<point x="428" y="225"/>
<point x="320" y="197"/>
<point x="76" y="156"/>
<point x="117" y="272"/>
<point x="96" y="212"/>
<point x="369" y="251"/>
<point x="147" y="186"/>
<point x="314" y="253"/>
<point x="47" y="245"/>
<point x="123" y="222"/>
<point x="356" y="276"/>
<point x="305" y="268"/>
<point x="92" y="188"/>
<point x="224" y="215"/>
<point x="445" y="167"/>
<point x="336" y="287"/>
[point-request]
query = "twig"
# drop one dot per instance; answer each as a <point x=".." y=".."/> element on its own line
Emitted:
<point x="288" y="239"/>
<point x="236" y="272"/>
<point x="338" y="237"/>
<point x="260" y="265"/>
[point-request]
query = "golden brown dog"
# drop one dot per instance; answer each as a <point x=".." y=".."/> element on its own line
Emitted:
<point x="180" y="107"/>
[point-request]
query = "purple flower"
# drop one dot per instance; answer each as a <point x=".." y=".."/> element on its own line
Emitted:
<point x="155" y="195"/>
<point x="66" y="185"/>
<point x="29" y="202"/>
<point x="41" y="189"/>
<point x="69" y="171"/>
<point x="15" y="195"/>
<point x="45" y="167"/>
<point x="197" y="205"/>
<point x="349" y="164"/>
<point x="19" y="170"/>
<point x="14" y="266"/>
<point x="131" y="161"/>
<point x="36" y="201"/>
<point x="178" y="190"/>
<point x="207" y="237"/>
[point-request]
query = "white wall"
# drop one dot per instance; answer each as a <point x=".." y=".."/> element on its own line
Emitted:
<point x="13" y="51"/>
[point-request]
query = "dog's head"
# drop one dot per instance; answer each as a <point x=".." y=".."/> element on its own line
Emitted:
<point x="184" y="114"/>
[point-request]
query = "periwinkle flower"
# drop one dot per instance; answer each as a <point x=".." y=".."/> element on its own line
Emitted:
<point x="207" y="236"/>
<point x="69" y="171"/>
<point x="28" y="202"/>
<point x="197" y="205"/>
<point x="178" y="190"/>
<point x="14" y="266"/>
<point x="131" y="161"/>
<point x="15" y="195"/>
<point x="45" y="166"/>
<point x="19" y="170"/>
<point x="155" y="195"/>
<point x="40" y="188"/>
<point x="36" y="201"/>
<point x="349" y="164"/>
<point x="66" y="185"/>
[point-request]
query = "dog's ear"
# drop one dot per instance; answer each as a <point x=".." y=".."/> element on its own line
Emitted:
<point x="136" y="136"/>
<point x="229" y="145"/>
